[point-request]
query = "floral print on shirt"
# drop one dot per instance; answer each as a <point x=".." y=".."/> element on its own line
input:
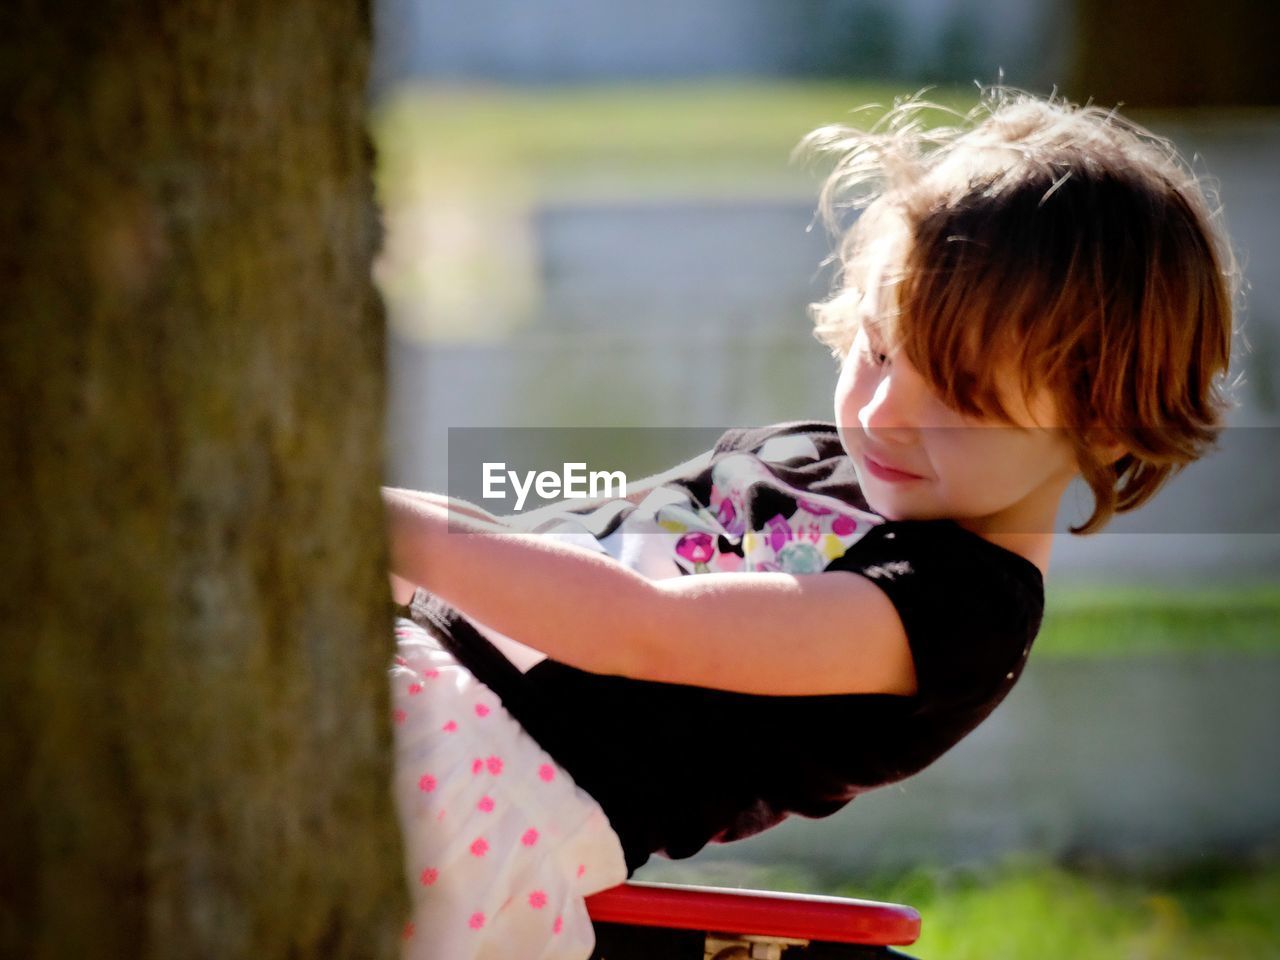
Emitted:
<point x="724" y="537"/>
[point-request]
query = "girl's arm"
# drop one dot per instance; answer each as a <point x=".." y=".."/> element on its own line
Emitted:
<point x="769" y="633"/>
<point x="402" y="590"/>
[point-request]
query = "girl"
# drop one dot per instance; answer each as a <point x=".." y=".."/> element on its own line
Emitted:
<point x="1038" y="293"/>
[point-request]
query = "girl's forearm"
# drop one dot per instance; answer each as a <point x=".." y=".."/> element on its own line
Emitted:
<point x="576" y="605"/>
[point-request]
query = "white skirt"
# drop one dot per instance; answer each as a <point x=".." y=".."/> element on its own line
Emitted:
<point x="500" y="845"/>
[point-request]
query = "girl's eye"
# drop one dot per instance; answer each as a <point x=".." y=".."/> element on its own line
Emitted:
<point x="874" y="350"/>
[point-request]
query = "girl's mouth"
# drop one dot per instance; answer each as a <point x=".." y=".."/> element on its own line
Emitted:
<point x="882" y="472"/>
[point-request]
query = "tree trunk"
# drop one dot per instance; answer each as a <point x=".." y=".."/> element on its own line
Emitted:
<point x="196" y="753"/>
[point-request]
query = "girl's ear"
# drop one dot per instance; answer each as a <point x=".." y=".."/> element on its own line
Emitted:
<point x="1106" y="446"/>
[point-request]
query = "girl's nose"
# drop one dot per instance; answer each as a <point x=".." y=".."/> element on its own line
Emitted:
<point x="893" y="414"/>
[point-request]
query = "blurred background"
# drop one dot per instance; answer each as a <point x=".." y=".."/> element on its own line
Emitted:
<point x="592" y="221"/>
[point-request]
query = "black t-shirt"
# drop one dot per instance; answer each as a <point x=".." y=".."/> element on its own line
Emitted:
<point x="676" y="766"/>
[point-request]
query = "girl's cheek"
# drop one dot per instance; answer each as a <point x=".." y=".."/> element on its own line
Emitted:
<point x="942" y="424"/>
<point x="950" y="439"/>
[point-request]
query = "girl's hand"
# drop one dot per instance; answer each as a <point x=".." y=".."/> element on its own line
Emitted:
<point x="402" y="590"/>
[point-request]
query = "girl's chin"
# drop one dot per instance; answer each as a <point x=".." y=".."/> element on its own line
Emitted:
<point x="889" y="507"/>
<point x="888" y="511"/>
<point x="893" y="510"/>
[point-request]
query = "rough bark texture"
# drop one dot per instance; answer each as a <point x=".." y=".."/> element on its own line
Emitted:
<point x="195" y="754"/>
<point x="1175" y="53"/>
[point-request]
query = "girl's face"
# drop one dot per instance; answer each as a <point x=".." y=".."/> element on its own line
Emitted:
<point x="988" y="476"/>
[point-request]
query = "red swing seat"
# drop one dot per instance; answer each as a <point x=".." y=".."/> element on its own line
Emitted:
<point x="656" y="921"/>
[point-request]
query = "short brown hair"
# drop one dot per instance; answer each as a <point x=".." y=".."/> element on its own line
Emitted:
<point x="1066" y="239"/>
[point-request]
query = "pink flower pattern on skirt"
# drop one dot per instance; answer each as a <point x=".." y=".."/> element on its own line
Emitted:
<point x="508" y="865"/>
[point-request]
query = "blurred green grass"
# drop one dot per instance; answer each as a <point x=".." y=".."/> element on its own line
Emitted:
<point x="500" y="144"/>
<point x="1117" y="621"/>
<point x="1029" y="907"/>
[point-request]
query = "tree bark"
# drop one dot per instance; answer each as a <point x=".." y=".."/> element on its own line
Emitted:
<point x="196" y="754"/>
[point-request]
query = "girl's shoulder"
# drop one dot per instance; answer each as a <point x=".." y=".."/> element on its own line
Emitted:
<point x="970" y="608"/>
